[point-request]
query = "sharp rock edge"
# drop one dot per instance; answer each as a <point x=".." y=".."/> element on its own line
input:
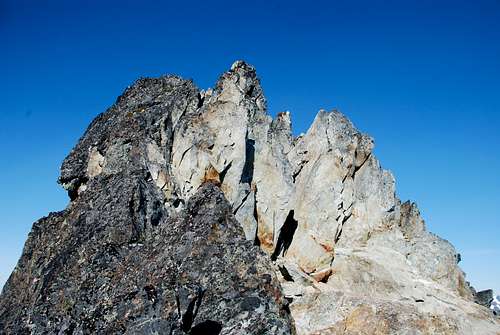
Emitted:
<point x="195" y="212"/>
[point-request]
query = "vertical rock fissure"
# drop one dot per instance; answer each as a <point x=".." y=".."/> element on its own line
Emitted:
<point x="286" y="236"/>
<point x="256" y="217"/>
<point x="192" y="311"/>
<point x="168" y="138"/>
<point x="137" y="214"/>
<point x="223" y="173"/>
<point x="248" y="168"/>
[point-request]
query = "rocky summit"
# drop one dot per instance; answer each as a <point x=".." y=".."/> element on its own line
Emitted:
<point x="195" y="212"/>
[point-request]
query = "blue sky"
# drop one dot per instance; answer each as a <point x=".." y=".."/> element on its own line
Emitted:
<point x="422" y="77"/>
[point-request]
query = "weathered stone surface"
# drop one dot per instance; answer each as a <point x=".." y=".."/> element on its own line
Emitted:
<point x="128" y="255"/>
<point x="174" y="188"/>
<point x="94" y="281"/>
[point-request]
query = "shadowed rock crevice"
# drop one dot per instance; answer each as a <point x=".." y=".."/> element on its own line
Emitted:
<point x="248" y="168"/>
<point x="223" y="173"/>
<point x="191" y="311"/>
<point x="207" y="327"/>
<point x="256" y="218"/>
<point x="284" y="272"/>
<point x="285" y="237"/>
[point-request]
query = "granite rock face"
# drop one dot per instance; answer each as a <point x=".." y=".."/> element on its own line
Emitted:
<point x="195" y="212"/>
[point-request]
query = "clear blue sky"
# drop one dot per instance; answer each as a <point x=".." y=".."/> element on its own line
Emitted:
<point x="421" y="77"/>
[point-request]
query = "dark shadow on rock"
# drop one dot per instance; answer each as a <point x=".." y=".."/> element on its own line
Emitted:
<point x="208" y="327"/>
<point x="286" y="236"/>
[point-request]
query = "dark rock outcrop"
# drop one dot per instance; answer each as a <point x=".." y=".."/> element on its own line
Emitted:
<point x="484" y="298"/>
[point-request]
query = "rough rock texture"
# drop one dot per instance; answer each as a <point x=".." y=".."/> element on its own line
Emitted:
<point x="121" y="258"/>
<point x="484" y="298"/>
<point x="173" y="190"/>
<point x="195" y="273"/>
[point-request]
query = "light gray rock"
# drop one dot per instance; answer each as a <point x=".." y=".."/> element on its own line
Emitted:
<point x="219" y="142"/>
<point x="327" y="213"/>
